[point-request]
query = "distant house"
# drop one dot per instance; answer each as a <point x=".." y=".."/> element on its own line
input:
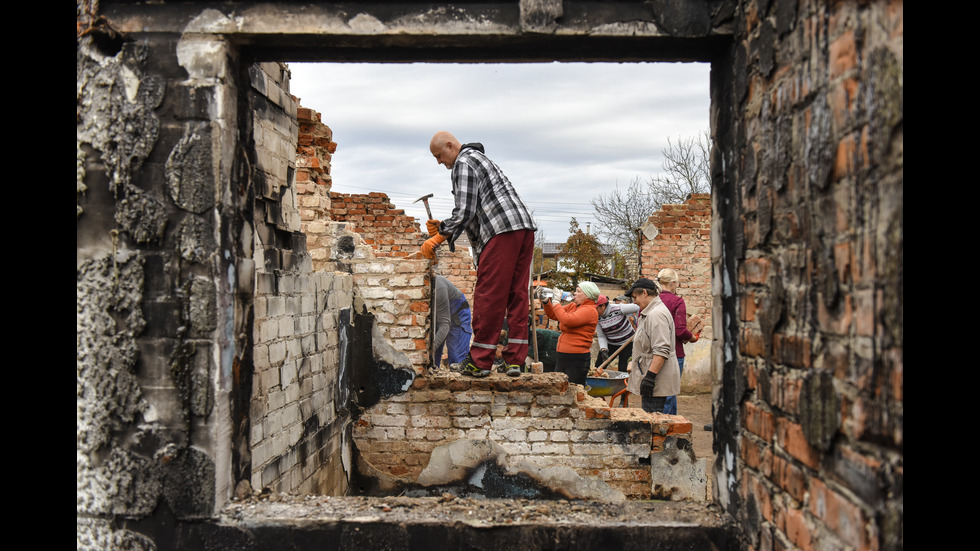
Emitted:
<point x="550" y="254"/>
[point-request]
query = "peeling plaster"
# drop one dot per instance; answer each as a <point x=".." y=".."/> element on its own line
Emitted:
<point x="100" y="535"/>
<point x="108" y="319"/>
<point x="195" y="240"/>
<point x="109" y="401"/>
<point x="484" y="466"/>
<point x="190" y="171"/>
<point x="142" y="216"/>
<point x="115" y="111"/>
<point x="211" y="21"/>
<point x="363" y="23"/>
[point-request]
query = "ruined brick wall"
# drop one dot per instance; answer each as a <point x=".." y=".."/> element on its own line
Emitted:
<point x="396" y="291"/>
<point x="812" y="403"/>
<point x="314" y="150"/>
<point x="297" y="412"/>
<point x="679" y="237"/>
<point x="386" y="228"/>
<point x="391" y="233"/>
<point x="366" y="237"/>
<point x="457" y="267"/>
<point x="541" y="419"/>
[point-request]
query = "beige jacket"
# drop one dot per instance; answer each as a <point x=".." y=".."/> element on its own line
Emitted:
<point x="655" y="337"/>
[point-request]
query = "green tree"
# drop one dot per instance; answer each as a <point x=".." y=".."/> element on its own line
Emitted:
<point x="580" y="254"/>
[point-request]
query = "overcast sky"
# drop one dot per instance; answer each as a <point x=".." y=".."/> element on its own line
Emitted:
<point x="563" y="133"/>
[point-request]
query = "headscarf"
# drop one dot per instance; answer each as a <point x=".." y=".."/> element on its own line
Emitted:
<point x="590" y="289"/>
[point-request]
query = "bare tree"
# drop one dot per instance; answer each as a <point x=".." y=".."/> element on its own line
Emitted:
<point x="686" y="170"/>
<point x="622" y="212"/>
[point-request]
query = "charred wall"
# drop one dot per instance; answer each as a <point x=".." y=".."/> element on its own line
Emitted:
<point x="807" y="244"/>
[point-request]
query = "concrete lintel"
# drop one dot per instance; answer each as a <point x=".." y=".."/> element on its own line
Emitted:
<point x="405" y="31"/>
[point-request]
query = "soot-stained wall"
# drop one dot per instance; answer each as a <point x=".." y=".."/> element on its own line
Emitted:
<point x="299" y="417"/>
<point x="151" y="418"/>
<point x="808" y="249"/>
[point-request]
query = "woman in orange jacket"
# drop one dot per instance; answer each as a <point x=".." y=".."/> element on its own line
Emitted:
<point x="577" y="322"/>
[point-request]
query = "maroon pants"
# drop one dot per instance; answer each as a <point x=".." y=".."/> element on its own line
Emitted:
<point x="501" y="290"/>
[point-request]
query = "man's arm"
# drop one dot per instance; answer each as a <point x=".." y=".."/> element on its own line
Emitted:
<point x="629" y="309"/>
<point x="466" y="197"/>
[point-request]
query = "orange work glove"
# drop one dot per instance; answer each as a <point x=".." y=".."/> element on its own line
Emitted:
<point x="429" y="247"/>
<point x="433" y="227"/>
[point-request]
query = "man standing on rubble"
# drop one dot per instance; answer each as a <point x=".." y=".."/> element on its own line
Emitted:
<point x="501" y="233"/>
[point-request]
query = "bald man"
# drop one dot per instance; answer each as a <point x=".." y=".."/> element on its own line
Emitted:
<point x="501" y="233"/>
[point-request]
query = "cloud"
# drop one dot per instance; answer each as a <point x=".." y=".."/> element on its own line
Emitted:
<point x="562" y="132"/>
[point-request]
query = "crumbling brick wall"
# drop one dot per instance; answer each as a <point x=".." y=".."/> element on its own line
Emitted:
<point x="380" y="224"/>
<point x="392" y="233"/>
<point x="366" y="237"/>
<point x="297" y="414"/>
<point x="314" y="150"/>
<point x="388" y="230"/>
<point x="541" y="419"/>
<point x="679" y="237"/>
<point x="814" y="394"/>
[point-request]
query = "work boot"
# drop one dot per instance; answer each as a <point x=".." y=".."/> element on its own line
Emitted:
<point x="470" y="368"/>
<point x="513" y="370"/>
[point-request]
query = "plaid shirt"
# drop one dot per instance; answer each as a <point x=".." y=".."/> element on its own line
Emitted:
<point x="486" y="203"/>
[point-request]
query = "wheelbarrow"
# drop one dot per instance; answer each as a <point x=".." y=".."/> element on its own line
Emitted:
<point x="614" y="385"/>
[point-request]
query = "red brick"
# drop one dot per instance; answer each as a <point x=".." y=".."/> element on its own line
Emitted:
<point x="864" y="312"/>
<point x="758" y="421"/>
<point x="754" y="270"/>
<point x="792" y="350"/>
<point x="748" y="306"/>
<point x="838" y="322"/>
<point x="757" y="455"/>
<point x="844" y="158"/>
<point x="797" y="529"/>
<point x="751" y="376"/>
<point x="839" y="514"/>
<point x="789" y="477"/>
<point x="755" y="487"/>
<point x="751" y="343"/>
<point x="790" y="437"/>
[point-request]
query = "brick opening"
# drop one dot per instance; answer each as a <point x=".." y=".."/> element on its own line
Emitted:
<point x="537" y="421"/>
<point x="187" y="223"/>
